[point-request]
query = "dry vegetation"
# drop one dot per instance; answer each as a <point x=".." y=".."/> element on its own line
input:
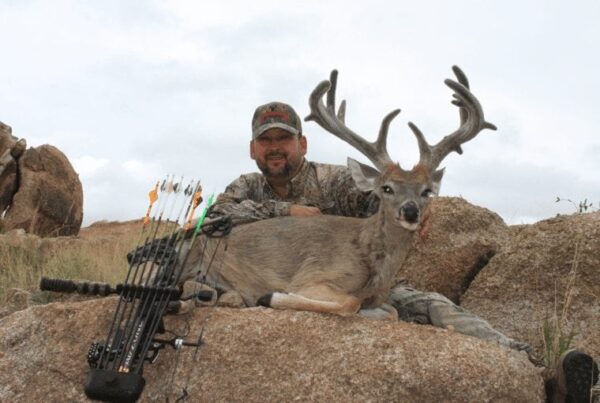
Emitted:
<point x="557" y="335"/>
<point x="97" y="254"/>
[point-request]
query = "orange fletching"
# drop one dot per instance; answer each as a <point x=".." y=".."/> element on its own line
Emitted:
<point x="196" y="200"/>
<point x="153" y="196"/>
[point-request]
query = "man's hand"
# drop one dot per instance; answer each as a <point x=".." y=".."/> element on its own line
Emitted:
<point x="304" y="211"/>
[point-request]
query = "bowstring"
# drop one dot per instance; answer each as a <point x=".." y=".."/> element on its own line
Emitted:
<point x="184" y="393"/>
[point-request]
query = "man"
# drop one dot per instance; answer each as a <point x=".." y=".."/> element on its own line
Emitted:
<point x="290" y="185"/>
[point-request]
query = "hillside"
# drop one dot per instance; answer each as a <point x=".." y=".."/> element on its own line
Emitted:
<point x="536" y="283"/>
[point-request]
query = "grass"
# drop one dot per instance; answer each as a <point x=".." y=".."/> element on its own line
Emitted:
<point x="98" y="254"/>
<point x="583" y="206"/>
<point x="22" y="268"/>
<point x="557" y="335"/>
<point x="22" y="265"/>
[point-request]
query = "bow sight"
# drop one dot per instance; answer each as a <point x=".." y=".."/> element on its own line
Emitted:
<point x="149" y="291"/>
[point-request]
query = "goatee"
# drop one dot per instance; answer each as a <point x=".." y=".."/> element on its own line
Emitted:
<point x="283" y="172"/>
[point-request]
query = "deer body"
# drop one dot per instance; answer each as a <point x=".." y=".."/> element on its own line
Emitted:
<point x="355" y="256"/>
<point x="339" y="264"/>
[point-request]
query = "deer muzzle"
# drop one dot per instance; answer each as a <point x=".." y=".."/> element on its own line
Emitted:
<point x="410" y="212"/>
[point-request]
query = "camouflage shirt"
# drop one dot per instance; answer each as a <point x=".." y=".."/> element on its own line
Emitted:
<point x="328" y="187"/>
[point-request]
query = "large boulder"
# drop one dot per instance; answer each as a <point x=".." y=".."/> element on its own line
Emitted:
<point x="5" y="136"/>
<point x="258" y="354"/>
<point x="8" y="166"/>
<point x="457" y="241"/>
<point x="39" y="189"/>
<point x="8" y="179"/>
<point x="49" y="199"/>
<point x="548" y="273"/>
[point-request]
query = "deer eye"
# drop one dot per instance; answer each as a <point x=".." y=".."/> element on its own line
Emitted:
<point x="387" y="189"/>
<point x="427" y="193"/>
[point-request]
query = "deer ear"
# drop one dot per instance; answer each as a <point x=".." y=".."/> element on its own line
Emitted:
<point x="364" y="176"/>
<point x="436" y="180"/>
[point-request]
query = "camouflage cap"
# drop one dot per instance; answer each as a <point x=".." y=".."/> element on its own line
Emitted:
<point x="275" y="114"/>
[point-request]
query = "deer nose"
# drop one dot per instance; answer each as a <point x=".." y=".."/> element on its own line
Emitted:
<point x="410" y="212"/>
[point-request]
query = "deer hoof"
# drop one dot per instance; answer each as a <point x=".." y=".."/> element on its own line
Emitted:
<point x="265" y="300"/>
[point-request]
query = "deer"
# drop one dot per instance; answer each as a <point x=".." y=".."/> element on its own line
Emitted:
<point x="332" y="264"/>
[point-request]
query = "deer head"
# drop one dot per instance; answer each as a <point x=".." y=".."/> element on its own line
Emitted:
<point x="403" y="193"/>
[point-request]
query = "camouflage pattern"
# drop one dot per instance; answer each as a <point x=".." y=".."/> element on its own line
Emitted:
<point x="275" y="114"/>
<point x="328" y="187"/>
<point x="430" y="308"/>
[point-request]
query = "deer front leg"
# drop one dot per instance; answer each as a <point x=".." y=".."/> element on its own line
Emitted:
<point x="322" y="298"/>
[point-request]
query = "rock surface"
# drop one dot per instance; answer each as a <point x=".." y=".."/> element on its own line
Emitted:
<point x="5" y="135"/>
<point x="16" y="300"/>
<point x="256" y="355"/>
<point x="40" y="191"/>
<point x="49" y="199"/>
<point x="8" y="167"/>
<point x="529" y="280"/>
<point x="260" y="354"/>
<point x="458" y="241"/>
<point x="8" y="179"/>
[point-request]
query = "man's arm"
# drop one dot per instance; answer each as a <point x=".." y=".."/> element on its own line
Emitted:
<point x="244" y="203"/>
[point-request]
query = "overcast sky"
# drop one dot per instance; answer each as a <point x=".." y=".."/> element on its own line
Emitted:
<point x="132" y="91"/>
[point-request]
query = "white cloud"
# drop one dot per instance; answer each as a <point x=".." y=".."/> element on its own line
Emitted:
<point x="193" y="15"/>
<point x="88" y="166"/>
<point x="141" y="171"/>
<point x="132" y="91"/>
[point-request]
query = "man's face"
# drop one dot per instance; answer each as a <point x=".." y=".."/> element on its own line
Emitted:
<point x="278" y="153"/>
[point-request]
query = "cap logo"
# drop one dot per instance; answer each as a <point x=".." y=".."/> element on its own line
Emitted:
<point x="284" y="116"/>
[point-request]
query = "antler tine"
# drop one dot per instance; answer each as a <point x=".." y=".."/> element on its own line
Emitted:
<point x="331" y="92"/>
<point x="472" y="121"/>
<point x="462" y="78"/>
<point x="381" y="143"/>
<point x="424" y="148"/>
<point x="341" y="114"/>
<point x="342" y="111"/>
<point x="325" y="117"/>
